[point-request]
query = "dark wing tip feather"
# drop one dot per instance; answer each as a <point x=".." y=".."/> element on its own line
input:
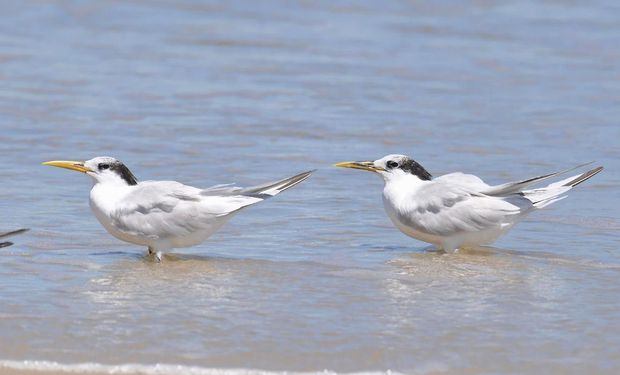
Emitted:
<point x="542" y="177"/>
<point x="279" y="186"/>
<point x="18" y="231"/>
<point x="584" y="177"/>
<point x="296" y="180"/>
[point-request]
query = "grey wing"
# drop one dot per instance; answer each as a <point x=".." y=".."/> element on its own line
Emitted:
<point x="469" y="181"/>
<point x="444" y="209"/>
<point x="162" y="209"/>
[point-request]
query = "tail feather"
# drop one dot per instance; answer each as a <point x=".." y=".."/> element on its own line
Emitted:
<point x="517" y="186"/>
<point x="545" y="196"/>
<point x="232" y="198"/>
<point x="272" y="188"/>
<point x="262" y="191"/>
<point x="546" y="202"/>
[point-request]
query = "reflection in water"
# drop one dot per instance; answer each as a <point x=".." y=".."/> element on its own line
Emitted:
<point x="128" y="281"/>
<point x="486" y="288"/>
<point x="470" y="279"/>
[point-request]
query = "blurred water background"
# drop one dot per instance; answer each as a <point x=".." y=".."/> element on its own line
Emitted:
<point x="317" y="278"/>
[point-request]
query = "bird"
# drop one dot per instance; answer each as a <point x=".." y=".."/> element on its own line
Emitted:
<point x="11" y="233"/>
<point x="163" y="215"/>
<point x="459" y="210"/>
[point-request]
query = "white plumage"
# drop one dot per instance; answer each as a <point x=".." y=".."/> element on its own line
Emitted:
<point x="164" y="214"/>
<point x="457" y="209"/>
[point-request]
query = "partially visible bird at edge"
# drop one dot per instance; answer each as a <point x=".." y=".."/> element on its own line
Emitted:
<point x="8" y="234"/>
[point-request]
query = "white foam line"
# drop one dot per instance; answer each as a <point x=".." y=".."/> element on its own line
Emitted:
<point x="157" y="369"/>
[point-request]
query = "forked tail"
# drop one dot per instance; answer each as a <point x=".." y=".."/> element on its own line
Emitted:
<point x="545" y="196"/>
<point x="576" y="180"/>
<point x="231" y="198"/>
<point x="262" y="191"/>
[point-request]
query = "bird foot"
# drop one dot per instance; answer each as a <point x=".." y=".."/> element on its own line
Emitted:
<point x="157" y="254"/>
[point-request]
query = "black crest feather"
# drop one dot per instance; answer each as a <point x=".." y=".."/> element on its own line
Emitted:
<point x="415" y="168"/>
<point x="125" y="173"/>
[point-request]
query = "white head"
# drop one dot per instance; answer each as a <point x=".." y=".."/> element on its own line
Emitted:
<point x="391" y="167"/>
<point x="103" y="169"/>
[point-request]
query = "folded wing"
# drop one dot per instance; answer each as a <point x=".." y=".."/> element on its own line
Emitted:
<point x="163" y="209"/>
<point x="444" y="209"/>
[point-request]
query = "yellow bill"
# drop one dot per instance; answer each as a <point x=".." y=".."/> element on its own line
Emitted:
<point x="68" y="164"/>
<point x="364" y="165"/>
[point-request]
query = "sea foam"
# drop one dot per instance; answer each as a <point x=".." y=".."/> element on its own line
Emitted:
<point x="156" y="369"/>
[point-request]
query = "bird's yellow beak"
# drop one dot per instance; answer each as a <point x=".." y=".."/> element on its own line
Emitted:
<point x="68" y="164"/>
<point x="364" y="165"/>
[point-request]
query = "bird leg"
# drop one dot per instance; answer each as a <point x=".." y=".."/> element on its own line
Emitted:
<point x="157" y="253"/>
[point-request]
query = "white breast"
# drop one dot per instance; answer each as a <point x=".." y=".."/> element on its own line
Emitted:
<point x="103" y="202"/>
<point x="447" y="216"/>
<point x="391" y="208"/>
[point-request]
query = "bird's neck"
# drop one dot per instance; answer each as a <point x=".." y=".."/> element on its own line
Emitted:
<point x="403" y="180"/>
<point x="402" y="186"/>
<point x="105" y="195"/>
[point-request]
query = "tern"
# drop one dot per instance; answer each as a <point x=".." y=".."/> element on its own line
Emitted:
<point x="459" y="210"/>
<point x="163" y="215"/>
<point x="11" y="233"/>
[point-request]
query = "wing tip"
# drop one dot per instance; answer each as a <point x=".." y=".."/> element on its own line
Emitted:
<point x="292" y="181"/>
<point x="585" y="176"/>
<point x="14" y="232"/>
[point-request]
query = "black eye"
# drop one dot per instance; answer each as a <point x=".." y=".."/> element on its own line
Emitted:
<point x="391" y="164"/>
<point x="104" y="166"/>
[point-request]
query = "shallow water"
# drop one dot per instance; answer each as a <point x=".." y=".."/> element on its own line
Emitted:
<point x="316" y="278"/>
